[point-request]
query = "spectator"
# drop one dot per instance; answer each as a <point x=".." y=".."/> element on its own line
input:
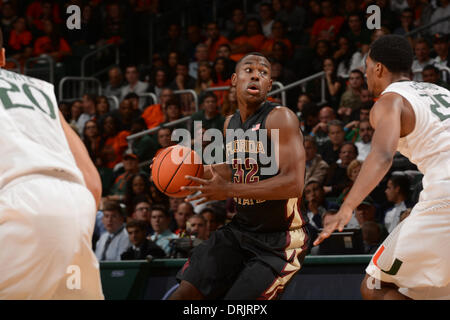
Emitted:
<point x="214" y="40"/>
<point x="76" y="109"/>
<point x="236" y="27"/>
<point x="316" y="204"/>
<point x="351" y="98"/>
<point x="407" y="22"/>
<point x="39" y="11"/>
<point x="320" y="130"/>
<point x="160" y="220"/>
<point x="432" y="74"/>
<point x="141" y="212"/>
<point x="174" y="40"/>
<point x="115" y="83"/>
<point x="251" y="41"/>
<point x="212" y="220"/>
<point x="164" y="136"/>
<point x="196" y="226"/>
<point x="182" y="79"/>
<point x="365" y="212"/>
<point x="172" y="60"/>
<point x="302" y="100"/>
<point x="352" y="128"/>
<point x="343" y="56"/>
<point x="194" y="37"/>
<point x="327" y="27"/>
<point x="159" y="81"/>
<point x="440" y="45"/>
<point x="7" y="21"/>
<point x="20" y="41"/>
<point x="173" y="112"/>
<point x="316" y="168"/>
<point x="337" y="179"/>
<point x="158" y="198"/>
<point x="372" y="236"/>
<point x="143" y="147"/>
<point x="422" y="53"/>
<point x="224" y="51"/>
<point x="352" y="173"/>
<point x="101" y="106"/>
<point x="89" y="112"/>
<point x="229" y="103"/>
<point x="266" y="18"/>
<point x="140" y="246"/>
<point x="184" y="211"/>
<point x="52" y="43"/>
<point x="397" y="192"/>
<point x="322" y="50"/>
<point x="133" y="84"/>
<point x="124" y="114"/>
<point x="221" y="76"/>
<point x="136" y="186"/>
<point x="113" y="142"/>
<point x="293" y="16"/>
<point x="131" y="166"/>
<point x="442" y="11"/>
<point x="310" y="118"/>
<point x="204" y="77"/>
<point x="209" y="114"/>
<point x="115" y="241"/>
<point x="277" y="35"/>
<point x="333" y="83"/>
<point x="201" y="55"/>
<point x="113" y="29"/>
<point x="357" y="35"/>
<point x="366" y="133"/>
<point x="92" y="139"/>
<point x="90" y="27"/>
<point x="331" y="149"/>
<point x="154" y="114"/>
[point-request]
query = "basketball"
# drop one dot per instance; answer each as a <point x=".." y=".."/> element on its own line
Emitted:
<point x="170" y="168"/>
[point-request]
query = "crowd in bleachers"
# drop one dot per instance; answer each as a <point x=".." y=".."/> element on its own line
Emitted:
<point x="300" y="38"/>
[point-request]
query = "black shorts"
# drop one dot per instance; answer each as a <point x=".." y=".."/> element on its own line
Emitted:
<point x="235" y="264"/>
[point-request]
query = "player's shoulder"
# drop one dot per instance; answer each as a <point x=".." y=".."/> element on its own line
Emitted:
<point x="281" y="117"/>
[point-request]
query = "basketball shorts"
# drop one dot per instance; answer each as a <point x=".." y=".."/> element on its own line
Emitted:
<point x="46" y="226"/>
<point x="234" y="264"/>
<point x="416" y="255"/>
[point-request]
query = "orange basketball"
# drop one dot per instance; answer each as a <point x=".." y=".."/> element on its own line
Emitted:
<point x="171" y="166"/>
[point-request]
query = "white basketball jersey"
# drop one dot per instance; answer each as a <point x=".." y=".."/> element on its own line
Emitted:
<point x="428" y="146"/>
<point x="32" y="140"/>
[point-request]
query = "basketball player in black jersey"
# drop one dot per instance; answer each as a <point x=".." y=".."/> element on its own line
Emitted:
<point x="258" y="252"/>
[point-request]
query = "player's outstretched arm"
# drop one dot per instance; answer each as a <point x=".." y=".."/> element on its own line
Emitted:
<point x="385" y="118"/>
<point x="84" y="163"/>
<point x="291" y="164"/>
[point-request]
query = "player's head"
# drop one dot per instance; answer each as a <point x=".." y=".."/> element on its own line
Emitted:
<point x="2" y="51"/>
<point x="389" y="57"/>
<point x="252" y="78"/>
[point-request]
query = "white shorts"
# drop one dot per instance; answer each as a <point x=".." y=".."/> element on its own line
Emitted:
<point x="46" y="227"/>
<point x="416" y="255"/>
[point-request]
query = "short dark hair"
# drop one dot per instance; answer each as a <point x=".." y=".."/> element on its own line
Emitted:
<point x="394" y="52"/>
<point x="161" y="208"/>
<point x="351" y="144"/>
<point x="401" y="181"/>
<point x="208" y="94"/>
<point x="137" y="224"/>
<point x="259" y="54"/>
<point x="430" y="67"/>
<point x="112" y="205"/>
<point x="358" y="72"/>
<point x="131" y="95"/>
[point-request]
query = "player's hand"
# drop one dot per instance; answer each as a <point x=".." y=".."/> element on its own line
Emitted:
<point x="215" y="188"/>
<point x="337" y="221"/>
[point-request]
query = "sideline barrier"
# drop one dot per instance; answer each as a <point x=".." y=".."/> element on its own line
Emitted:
<point x="321" y="277"/>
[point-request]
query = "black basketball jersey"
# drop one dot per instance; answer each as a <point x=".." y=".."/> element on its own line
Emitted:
<point x="252" y="159"/>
